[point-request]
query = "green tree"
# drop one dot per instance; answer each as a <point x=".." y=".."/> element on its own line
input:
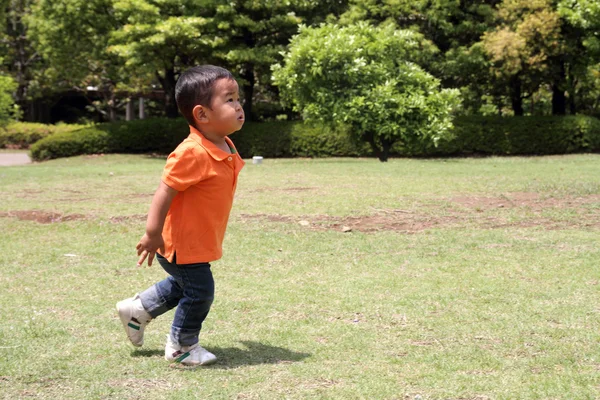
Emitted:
<point x="72" y="37"/>
<point x="365" y="77"/>
<point x="521" y="47"/>
<point x="7" y="88"/>
<point x="258" y="31"/>
<point x="579" y="66"/>
<point x="159" y="39"/>
<point x="20" y="60"/>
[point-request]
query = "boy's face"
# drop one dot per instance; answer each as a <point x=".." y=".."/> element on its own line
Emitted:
<point x="225" y="114"/>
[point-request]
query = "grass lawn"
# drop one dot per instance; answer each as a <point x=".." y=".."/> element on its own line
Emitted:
<point x="342" y="279"/>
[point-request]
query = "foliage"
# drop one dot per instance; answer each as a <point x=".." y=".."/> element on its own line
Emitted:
<point x="19" y="58"/>
<point x="521" y="136"/>
<point x="158" y="40"/>
<point x="71" y="36"/>
<point x="20" y="135"/>
<point x="365" y="77"/>
<point x="256" y="32"/>
<point x="7" y="87"/>
<point x="469" y="136"/>
<point x="141" y="136"/>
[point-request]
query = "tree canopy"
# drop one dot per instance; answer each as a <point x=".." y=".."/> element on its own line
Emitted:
<point x="508" y="57"/>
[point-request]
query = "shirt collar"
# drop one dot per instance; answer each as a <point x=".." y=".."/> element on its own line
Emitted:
<point x="209" y="146"/>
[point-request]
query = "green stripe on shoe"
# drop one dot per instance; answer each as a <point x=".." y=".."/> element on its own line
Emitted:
<point x="137" y="328"/>
<point x="182" y="357"/>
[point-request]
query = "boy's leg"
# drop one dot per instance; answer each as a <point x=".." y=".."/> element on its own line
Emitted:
<point x="164" y="295"/>
<point x="198" y="294"/>
<point x="136" y="312"/>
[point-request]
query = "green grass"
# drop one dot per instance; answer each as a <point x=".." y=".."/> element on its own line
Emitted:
<point x="460" y="279"/>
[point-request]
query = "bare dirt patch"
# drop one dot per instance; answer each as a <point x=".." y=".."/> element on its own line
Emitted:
<point x="483" y="212"/>
<point x="284" y="189"/>
<point x="531" y="201"/>
<point x="127" y="218"/>
<point x="42" y="217"/>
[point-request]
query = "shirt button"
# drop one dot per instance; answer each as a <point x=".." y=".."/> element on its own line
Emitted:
<point x="229" y="159"/>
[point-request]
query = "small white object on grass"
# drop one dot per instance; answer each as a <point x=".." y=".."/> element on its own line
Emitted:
<point x="257" y="160"/>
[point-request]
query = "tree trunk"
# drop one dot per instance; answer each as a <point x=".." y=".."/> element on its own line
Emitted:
<point x="142" y="109"/>
<point x="515" y="96"/>
<point x="382" y="154"/>
<point x="559" y="100"/>
<point x="129" y="110"/>
<point x="248" y="89"/>
<point x="168" y="84"/>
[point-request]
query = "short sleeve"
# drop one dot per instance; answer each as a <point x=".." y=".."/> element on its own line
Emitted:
<point x="182" y="169"/>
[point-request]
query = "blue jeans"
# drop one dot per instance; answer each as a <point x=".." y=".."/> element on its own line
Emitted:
<point x="190" y="288"/>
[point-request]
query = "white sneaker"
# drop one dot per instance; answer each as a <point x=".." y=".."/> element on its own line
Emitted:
<point x="191" y="356"/>
<point x="134" y="319"/>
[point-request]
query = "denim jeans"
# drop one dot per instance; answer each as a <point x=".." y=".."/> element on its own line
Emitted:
<point x="190" y="288"/>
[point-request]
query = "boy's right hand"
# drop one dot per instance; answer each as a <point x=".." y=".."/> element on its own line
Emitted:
<point x="148" y="246"/>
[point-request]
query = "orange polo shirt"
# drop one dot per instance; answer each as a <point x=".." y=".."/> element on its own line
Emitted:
<point x="205" y="177"/>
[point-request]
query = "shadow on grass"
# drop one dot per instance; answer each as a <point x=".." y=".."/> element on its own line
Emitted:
<point x="254" y="354"/>
<point x="232" y="357"/>
<point x="147" y="353"/>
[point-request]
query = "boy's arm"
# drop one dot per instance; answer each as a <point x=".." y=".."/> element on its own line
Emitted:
<point x="152" y="239"/>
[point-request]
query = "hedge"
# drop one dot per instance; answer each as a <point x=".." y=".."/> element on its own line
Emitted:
<point x="20" y="135"/>
<point x="471" y="135"/>
<point x="522" y="136"/>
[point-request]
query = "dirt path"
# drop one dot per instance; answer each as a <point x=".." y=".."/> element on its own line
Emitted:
<point x="7" y="159"/>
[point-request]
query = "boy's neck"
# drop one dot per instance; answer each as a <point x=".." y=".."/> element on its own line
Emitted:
<point x="217" y="140"/>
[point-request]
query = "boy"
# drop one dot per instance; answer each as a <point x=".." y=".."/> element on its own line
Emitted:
<point x="188" y="215"/>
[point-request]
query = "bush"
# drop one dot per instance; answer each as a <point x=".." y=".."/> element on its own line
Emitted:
<point x="161" y="135"/>
<point x="470" y="135"/>
<point x="20" y="135"/>
<point x="295" y="139"/>
<point x="158" y="135"/>
<point x="521" y="136"/>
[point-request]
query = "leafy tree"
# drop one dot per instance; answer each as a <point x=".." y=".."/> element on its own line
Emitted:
<point x="522" y="45"/>
<point x="20" y="60"/>
<point x="72" y="37"/>
<point x="7" y="87"/>
<point x="159" y="39"/>
<point x="579" y="66"/>
<point x="258" y="31"/>
<point x="365" y="77"/>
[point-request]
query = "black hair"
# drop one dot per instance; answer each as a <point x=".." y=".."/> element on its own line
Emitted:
<point x="195" y="87"/>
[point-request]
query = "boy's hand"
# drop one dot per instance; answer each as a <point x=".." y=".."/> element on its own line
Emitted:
<point x="147" y="248"/>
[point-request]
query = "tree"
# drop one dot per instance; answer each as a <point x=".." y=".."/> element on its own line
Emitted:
<point x="258" y="31"/>
<point x="159" y="39"/>
<point x="20" y="60"/>
<point x="521" y="47"/>
<point x="7" y="88"/>
<point x="366" y="78"/>
<point x="72" y="37"/>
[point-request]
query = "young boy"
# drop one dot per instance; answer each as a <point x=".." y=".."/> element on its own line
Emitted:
<point x="188" y="215"/>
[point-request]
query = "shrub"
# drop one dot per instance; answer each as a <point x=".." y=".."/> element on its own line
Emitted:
<point x="521" y="136"/>
<point x="159" y="135"/>
<point x="20" y="135"/>
<point x="67" y="144"/>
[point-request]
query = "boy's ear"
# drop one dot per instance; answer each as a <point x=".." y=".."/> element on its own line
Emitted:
<point x="199" y="114"/>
